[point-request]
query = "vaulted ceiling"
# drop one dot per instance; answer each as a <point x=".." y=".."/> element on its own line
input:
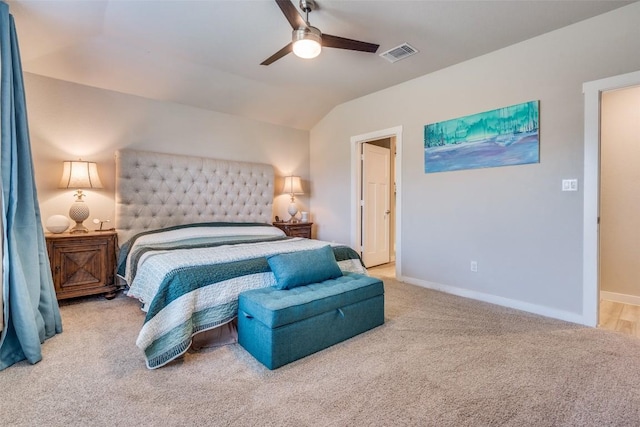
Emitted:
<point x="207" y="53"/>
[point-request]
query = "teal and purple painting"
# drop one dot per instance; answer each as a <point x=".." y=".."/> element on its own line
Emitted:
<point x="502" y="137"/>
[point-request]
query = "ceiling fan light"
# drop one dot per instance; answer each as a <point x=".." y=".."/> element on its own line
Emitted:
<point x="307" y="42"/>
<point x="306" y="49"/>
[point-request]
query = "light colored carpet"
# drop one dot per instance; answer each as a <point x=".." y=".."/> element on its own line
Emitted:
<point x="439" y="360"/>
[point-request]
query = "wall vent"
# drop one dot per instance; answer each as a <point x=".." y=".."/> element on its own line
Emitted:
<point x="399" y="52"/>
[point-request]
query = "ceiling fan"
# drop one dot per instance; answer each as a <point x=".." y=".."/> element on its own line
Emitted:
<point x="307" y="41"/>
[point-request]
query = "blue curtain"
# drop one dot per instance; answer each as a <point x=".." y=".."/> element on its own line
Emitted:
<point x="30" y="311"/>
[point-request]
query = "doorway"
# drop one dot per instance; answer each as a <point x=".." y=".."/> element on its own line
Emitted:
<point x="619" y="233"/>
<point x="592" y="167"/>
<point x="373" y="236"/>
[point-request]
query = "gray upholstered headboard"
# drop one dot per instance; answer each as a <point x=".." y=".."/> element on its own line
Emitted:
<point x="155" y="190"/>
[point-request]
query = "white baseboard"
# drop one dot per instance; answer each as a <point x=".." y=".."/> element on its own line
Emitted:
<point x="505" y="302"/>
<point x="623" y="298"/>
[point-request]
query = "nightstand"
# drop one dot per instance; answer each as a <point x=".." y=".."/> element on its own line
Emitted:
<point x="83" y="264"/>
<point x="295" y="229"/>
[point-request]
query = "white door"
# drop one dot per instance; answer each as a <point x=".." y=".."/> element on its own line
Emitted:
<point x="376" y="183"/>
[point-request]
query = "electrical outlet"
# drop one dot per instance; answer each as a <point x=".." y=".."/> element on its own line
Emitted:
<point x="474" y="266"/>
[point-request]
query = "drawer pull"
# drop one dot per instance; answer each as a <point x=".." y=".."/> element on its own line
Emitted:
<point x="341" y="312"/>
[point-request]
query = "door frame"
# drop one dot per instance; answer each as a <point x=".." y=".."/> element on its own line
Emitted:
<point x="591" y="208"/>
<point x="356" y="222"/>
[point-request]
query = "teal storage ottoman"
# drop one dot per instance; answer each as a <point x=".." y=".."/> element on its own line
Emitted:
<point x="280" y="326"/>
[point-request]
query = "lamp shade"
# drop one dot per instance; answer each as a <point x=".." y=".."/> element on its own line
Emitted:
<point x="80" y="174"/>
<point x="292" y="185"/>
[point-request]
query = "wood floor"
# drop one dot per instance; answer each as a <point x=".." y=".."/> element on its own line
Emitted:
<point x="614" y="316"/>
<point x="384" y="270"/>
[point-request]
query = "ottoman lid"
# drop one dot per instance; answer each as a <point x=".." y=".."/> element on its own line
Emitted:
<point x="275" y="307"/>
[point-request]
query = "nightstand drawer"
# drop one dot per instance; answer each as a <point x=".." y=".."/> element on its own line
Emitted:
<point x="295" y="229"/>
<point x="300" y="232"/>
<point x="79" y="266"/>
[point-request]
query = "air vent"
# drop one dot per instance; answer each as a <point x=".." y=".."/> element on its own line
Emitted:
<point x="399" y="52"/>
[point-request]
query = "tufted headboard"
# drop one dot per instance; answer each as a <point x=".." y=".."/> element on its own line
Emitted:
<point x="155" y="190"/>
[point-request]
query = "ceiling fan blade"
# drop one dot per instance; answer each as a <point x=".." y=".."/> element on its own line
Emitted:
<point x="291" y="13"/>
<point x="341" y="43"/>
<point x="279" y="54"/>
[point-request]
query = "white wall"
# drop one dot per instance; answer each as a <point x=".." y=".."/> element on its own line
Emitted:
<point x="619" y="192"/>
<point x="69" y="121"/>
<point x="524" y="232"/>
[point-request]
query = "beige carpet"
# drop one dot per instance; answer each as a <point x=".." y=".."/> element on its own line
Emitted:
<point x="439" y="360"/>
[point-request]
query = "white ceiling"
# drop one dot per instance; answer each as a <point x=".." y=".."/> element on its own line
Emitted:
<point x="207" y="53"/>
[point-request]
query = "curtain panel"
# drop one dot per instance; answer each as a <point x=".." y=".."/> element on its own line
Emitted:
<point x="30" y="310"/>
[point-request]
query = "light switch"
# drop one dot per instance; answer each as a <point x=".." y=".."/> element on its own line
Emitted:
<point x="569" y="185"/>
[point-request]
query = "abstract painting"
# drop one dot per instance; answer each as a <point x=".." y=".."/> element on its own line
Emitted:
<point x="502" y="137"/>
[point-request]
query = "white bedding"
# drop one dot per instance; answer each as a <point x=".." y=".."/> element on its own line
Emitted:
<point x="154" y="266"/>
<point x="190" y="234"/>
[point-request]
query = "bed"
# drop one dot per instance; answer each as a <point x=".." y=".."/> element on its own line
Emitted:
<point x="194" y="233"/>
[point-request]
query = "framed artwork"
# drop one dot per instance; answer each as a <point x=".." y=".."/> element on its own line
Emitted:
<point x="502" y="137"/>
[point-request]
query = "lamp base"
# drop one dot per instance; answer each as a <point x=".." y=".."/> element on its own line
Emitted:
<point x="78" y="212"/>
<point x="79" y="228"/>
<point x="293" y="211"/>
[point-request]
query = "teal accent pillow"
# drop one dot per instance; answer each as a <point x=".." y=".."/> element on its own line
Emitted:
<point x="304" y="267"/>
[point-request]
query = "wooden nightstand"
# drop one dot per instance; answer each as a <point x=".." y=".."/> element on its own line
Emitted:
<point x="83" y="264"/>
<point x="295" y="229"/>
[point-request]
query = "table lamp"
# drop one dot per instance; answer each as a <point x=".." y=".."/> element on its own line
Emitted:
<point x="292" y="186"/>
<point x="79" y="174"/>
